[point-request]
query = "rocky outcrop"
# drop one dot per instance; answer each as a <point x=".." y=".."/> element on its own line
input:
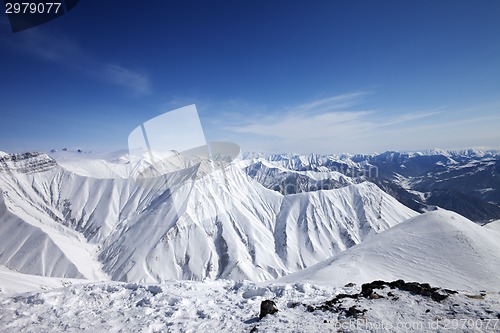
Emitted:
<point x="368" y="292"/>
<point x="26" y="162"/>
<point x="267" y="307"/>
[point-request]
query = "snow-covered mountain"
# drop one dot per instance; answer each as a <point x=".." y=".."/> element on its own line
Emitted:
<point x="467" y="181"/>
<point x="304" y="229"/>
<point x="289" y="181"/>
<point x="224" y="225"/>
<point x="439" y="247"/>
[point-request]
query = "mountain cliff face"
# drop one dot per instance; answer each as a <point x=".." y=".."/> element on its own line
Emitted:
<point x="25" y="163"/>
<point x="288" y="181"/>
<point x="224" y="225"/>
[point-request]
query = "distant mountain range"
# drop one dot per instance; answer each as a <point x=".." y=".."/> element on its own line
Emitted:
<point x="80" y="215"/>
<point x="467" y="181"/>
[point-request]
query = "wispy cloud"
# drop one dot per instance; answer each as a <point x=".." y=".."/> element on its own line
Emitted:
<point x="59" y="49"/>
<point x="325" y="118"/>
<point x="409" y="117"/>
<point x="343" y="123"/>
<point x="332" y="103"/>
<point x="324" y="125"/>
<point x="119" y="75"/>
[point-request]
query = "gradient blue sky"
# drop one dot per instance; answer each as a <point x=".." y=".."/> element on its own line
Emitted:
<point x="274" y="76"/>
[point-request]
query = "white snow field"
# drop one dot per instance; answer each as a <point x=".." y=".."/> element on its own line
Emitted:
<point x="233" y="306"/>
<point x="12" y="282"/>
<point x="494" y="225"/>
<point x="99" y="252"/>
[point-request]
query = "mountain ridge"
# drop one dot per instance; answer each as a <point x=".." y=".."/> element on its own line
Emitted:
<point x="224" y="225"/>
<point x="451" y="181"/>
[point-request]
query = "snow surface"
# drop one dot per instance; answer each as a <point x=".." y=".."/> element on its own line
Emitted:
<point x="96" y="165"/>
<point x="233" y="306"/>
<point x="439" y="247"/>
<point x="494" y="225"/>
<point x="12" y="282"/>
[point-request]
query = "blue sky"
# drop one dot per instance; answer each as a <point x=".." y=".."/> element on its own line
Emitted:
<point x="273" y="76"/>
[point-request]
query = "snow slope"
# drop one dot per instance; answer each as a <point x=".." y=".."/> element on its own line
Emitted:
<point x="96" y="165"/>
<point x="230" y="306"/>
<point x="25" y="247"/>
<point x="12" y="282"/>
<point x="439" y="247"/>
<point x="494" y="225"/>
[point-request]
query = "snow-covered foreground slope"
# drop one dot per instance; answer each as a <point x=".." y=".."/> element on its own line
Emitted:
<point x="495" y="225"/>
<point x="230" y="306"/>
<point x="224" y="225"/>
<point x="439" y="247"/>
<point x="12" y="282"/>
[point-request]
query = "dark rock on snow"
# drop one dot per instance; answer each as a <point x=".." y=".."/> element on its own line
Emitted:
<point x="267" y="307"/>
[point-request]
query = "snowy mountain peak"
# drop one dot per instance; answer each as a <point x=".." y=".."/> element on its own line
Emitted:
<point x="26" y="162"/>
<point x="439" y="247"/>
